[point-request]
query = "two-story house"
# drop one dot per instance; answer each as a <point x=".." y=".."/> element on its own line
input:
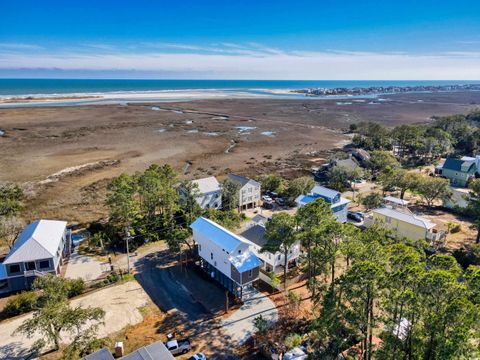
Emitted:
<point x="459" y="171"/>
<point x="338" y="204"/>
<point x="255" y="236"/>
<point x="41" y="248"/>
<point x="249" y="193"/>
<point x="225" y="256"/>
<point x="210" y="193"/>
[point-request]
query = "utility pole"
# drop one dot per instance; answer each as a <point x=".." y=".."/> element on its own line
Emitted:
<point x="127" y="237"/>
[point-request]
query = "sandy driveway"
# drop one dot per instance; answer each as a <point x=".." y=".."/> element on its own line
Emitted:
<point x="86" y="267"/>
<point x="121" y="304"/>
<point x="239" y="326"/>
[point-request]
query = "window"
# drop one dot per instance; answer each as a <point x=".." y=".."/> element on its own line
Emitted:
<point x="44" y="264"/>
<point x="279" y="257"/>
<point x="215" y="264"/>
<point x="199" y="247"/>
<point x="30" y="265"/>
<point x="14" y="268"/>
<point x="250" y="273"/>
<point x="239" y="251"/>
<point x="211" y="256"/>
<point x="249" y="190"/>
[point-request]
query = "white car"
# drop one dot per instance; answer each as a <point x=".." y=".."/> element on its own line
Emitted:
<point x="199" y="356"/>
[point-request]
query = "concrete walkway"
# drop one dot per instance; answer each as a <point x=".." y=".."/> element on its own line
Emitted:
<point x="239" y="326"/>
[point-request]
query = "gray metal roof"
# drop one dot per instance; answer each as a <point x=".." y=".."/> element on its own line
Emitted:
<point x="242" y="180"/>
<point x="323" y="191"/>
<point x="102" y="354"/>
<point x="39" y="240"/>
<point x="256" y="234"/>
<point x="155" y="351"/>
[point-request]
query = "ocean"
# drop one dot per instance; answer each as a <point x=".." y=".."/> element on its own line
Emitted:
<point x="10" y="87"/>
<point x="68" y="92"/>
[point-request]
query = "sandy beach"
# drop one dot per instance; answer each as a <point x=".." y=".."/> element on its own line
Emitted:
<point x="64" y="156"/>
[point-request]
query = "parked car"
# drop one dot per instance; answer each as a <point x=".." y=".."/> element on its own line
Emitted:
<point x="354" y="216"/>
<point x="267" y="198"/>
<point x="268" y="205"/>
<point x="199" y="356"/>
<point x="272" y="194"/>
<point x="177" y="347"/>
<point x="280" y="201"/>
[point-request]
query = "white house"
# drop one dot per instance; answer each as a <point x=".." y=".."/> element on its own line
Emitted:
<point x="210" y="193"/>
<point x="227" y="257"/>
<point x="249" y="193"/>
<point x="255" y="236"/>
<point x="338" y="204"/>
<point x="40" y="248"/>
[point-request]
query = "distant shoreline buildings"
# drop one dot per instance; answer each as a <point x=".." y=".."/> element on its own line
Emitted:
<point x="375" y="90"/>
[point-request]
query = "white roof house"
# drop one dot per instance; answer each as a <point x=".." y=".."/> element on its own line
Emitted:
<point x="210" y="193"/>
<point x="207" y="185"/>
<point x="396" y="201"/>
<point x="39" y="240"/>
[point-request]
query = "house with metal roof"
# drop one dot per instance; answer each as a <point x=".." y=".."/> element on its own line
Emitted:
<point x="41" y="248"/>
<point x="255" y="236"/>
<point x="155" y="351"/>
<point x="224" y="255"/>
<point x="459" y="171"/>
<point x="404" y="224"/>
<point x="338" y="204"/>
<point x="249" y="193"/>
<point x="210" y="193"/>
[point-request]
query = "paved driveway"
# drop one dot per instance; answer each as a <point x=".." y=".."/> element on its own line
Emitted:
<point x="121" y="304"/>
<point x="239" y="326"/>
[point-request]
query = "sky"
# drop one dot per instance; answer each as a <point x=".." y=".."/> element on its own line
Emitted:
<point x="242" y="39"/>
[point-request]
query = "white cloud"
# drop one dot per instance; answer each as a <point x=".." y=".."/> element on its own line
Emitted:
<point x="255" y="61"/>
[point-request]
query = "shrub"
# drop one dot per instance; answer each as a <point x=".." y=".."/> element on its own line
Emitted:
<point x="75" y="287"/>
<point x="20" y="304"/>
<point x="454" y="227"/>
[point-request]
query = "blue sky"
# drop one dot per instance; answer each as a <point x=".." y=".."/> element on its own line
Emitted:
<point x="347" y="39"/>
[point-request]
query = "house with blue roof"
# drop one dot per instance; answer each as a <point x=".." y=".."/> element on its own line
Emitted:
<point x="338" y="204"/>
<point x="225" y="256"/>
<point x="459" y="171"/>
<point x="41" y="248"/>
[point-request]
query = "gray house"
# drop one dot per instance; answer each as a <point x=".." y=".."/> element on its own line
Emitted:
<point x="41" y="248"/>
<point x="249" y="193"/>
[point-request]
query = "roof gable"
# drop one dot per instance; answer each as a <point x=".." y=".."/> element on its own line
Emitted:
<point x="207" y="185"/>
<point x="458" y="165"/>
<point x="325" y="192"/>
<point x="405" y="217"/>
<point x="243" y="180"/>
<point x="39" y="240"/>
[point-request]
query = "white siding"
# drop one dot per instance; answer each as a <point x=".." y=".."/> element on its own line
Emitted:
<point x="214" y="255"/>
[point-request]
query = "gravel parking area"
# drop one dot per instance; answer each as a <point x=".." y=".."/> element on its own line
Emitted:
<point x="121" y="304"/>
